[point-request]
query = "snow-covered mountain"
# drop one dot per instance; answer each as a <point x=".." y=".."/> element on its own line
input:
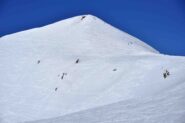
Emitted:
<point x="84" y="70"/>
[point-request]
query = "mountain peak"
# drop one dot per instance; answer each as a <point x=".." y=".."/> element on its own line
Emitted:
<point x="85" y="34"/>
<point x="61" y="68"/>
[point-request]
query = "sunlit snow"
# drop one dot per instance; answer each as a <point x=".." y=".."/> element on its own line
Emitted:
<point x="83" y="70"/>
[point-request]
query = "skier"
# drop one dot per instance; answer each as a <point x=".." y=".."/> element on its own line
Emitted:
<point x="38" y="62"/>
<point x="56" y="89"/>
<point x="62" y="77"/>
<point x="77" y="61"/>
<point x="83" y="17"/>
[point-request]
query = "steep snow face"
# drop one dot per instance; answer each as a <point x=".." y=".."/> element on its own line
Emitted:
<point x="82" y="35"/>
<point x="77" y="64"/>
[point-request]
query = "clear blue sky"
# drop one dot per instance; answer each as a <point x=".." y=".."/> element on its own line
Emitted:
<point x="160" y="23"/>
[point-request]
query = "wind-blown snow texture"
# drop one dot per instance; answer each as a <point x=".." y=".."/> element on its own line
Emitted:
<point x="84" y="70"/>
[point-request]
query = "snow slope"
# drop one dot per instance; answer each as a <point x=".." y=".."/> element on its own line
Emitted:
<point x="164" y="108"/>
<point x="40" y="79"/>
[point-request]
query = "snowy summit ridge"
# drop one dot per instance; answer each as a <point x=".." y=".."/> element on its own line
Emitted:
<point x="76" y="36"/>
<point x="84" y="70"/>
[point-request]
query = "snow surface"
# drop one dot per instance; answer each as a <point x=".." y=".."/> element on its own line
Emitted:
<point x="166" y="108"/>
<point x="118" y="77"/>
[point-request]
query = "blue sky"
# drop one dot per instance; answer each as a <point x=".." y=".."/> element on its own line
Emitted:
<point x="160" y="23"/>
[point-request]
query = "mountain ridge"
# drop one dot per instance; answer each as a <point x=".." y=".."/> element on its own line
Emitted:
<point x="84" y="30"/>
<point x="74" y="65"/>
